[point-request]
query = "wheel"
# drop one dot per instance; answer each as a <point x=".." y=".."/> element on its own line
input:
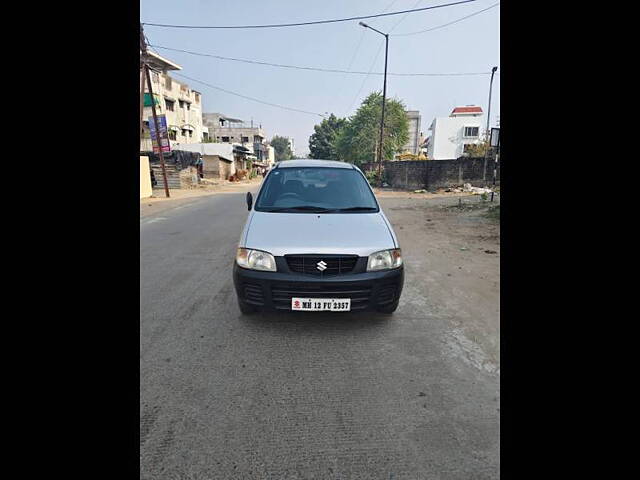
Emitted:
<point x="245" y="308"/>
<point x="388" y="309"/>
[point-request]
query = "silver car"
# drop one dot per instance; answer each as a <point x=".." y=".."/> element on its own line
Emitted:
<point x="317" y="240"/>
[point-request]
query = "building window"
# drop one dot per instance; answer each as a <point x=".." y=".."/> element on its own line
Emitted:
<point x="172" y="135"/>
<point x="190" y="134"/>
<point x="245" y="139"/>
<point x="471" y="132"/>
<point x="184" y="132"/>
<point x="181" y="103"/>
<point x="170" y="104"/>
<point x="197" y="95"/>
<point x="154" y="77"/>
<point x="225" y="139"/>
<point x="167" y="82"/>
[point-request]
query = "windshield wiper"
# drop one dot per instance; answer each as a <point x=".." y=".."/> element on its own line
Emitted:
<point x="356" y="209"/>
<point x="307" y="208"/>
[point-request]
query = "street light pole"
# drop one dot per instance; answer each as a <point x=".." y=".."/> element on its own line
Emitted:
<point x="493" y="71"/>
<point x="486" y="134"/>
<point x="384" y="98"/>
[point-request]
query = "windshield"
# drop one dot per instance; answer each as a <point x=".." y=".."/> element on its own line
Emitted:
<point x="316" y="189"/>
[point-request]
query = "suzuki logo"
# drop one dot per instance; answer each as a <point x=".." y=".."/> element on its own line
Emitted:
<point x="321" y="265"/>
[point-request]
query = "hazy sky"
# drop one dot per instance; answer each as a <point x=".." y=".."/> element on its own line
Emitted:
<point x="472" y="45"/>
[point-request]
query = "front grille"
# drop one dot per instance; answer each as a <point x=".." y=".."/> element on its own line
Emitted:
<point x="386" y="294"/>
<point x="282" y="294"/>
<point x="253" y="294"/>
<point x="308" y="264"/>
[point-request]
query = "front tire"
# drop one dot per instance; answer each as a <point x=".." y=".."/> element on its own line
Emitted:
<point x="388" y="309"/>
<point x="245" y="308"/>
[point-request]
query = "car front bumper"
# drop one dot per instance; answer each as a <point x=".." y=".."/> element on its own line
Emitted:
<point x="274" y="290"/>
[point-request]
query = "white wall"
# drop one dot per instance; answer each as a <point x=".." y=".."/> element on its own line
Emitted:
<point x="145" y="178"/>
<point x="447" y="136"/>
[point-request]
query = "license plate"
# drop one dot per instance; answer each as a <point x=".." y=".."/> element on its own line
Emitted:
<point x="321" y="304"/>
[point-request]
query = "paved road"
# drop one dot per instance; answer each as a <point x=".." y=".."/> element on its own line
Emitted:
<point x="335" y="396"/>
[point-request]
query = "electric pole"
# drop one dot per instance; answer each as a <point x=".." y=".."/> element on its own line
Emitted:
<point x="384" y="97"/>
<point x="145" y="72"/>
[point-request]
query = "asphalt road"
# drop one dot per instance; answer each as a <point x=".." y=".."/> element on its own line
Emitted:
<point x="335" y="396"/>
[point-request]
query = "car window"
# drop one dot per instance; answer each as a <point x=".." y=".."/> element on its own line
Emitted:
<point x="316" y="188"/>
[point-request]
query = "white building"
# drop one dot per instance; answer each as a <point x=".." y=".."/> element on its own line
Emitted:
<point x="181" y="105"/>
<point x="292" y="146"/>
<point x="271" y="156"/>
<point x="413" y="143"/>
<point x="451" y="135"/>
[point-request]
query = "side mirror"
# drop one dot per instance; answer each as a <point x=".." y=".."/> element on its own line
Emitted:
<point x="249" y="201"/>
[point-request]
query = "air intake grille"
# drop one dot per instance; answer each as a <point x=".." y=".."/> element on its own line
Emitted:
<point x="333" y="265"/>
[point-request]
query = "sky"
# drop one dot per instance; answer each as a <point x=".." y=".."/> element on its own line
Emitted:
<point x="471" y="45"/>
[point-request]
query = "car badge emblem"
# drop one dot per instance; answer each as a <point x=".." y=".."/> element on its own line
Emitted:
<point x="322" y="266"/>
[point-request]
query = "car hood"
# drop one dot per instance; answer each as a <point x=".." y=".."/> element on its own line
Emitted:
<point x="324" y="233"/>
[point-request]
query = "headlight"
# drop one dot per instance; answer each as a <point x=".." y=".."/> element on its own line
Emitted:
<point x="384" y="260"/>
<point x="255" y="260"/>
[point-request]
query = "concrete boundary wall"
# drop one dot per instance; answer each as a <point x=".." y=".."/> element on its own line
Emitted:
<point x="434" y="174"/>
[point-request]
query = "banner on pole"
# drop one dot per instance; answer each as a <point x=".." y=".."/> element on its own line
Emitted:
<point x="164" y="134"/>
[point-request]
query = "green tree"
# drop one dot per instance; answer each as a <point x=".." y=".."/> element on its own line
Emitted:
<point x="477" y="149"/>
<point x="322" y="143"/>
<point x="358" y="141"/>
<point x="282" y="148"/>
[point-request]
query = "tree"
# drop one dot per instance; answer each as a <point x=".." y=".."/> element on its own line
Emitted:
<point x="322" y="143"/>
<point x="359" y="140"/>
<point x="282" y="148"/>
<point x="477" y="149"/>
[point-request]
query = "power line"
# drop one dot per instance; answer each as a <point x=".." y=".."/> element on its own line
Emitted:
<point x="446" y="24"/>
<point x="317" y="22"/>
<point x="247" y="97"/>
<point x="402" y="19"/>
<point x="318" y="69"/>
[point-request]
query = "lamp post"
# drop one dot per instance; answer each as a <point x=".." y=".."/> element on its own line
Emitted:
<point x="384" y="97"/>
<point x="493" y="71"/>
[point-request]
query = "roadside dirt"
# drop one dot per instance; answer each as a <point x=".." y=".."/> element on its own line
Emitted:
<point x="452" y="258"/>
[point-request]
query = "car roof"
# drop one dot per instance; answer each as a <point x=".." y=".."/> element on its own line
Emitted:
<point x="312" y="163"/>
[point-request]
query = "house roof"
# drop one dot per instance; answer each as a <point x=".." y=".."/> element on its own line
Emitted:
<point x="161" y="63"/>
<point x="467" y="109"/>
<point x="223" y="150"/>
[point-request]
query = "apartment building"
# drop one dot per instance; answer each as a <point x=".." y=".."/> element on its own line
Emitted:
<point x="225" y="129"/>
<point x="181" y="104"/>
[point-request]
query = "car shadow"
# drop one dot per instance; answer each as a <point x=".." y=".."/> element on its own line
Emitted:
<point x="316" y="321"/>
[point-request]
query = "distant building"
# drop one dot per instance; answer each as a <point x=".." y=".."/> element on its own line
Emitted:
<point x="413" y="143"/>
<point x="292" y="147"/>
<point x="271" y="156"/>
<point x="225" y="129"/>
<point x="220" y="160"/>
<point x="452" y="135"/>
<point x="180" y="104"/>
